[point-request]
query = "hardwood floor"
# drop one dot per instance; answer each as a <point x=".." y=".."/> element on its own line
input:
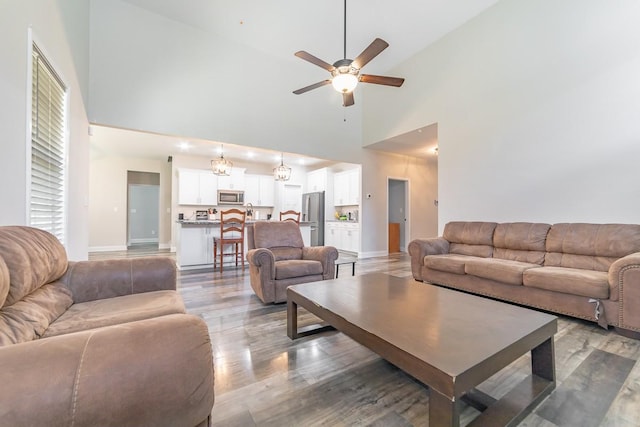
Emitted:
<point x="265" y="379"/>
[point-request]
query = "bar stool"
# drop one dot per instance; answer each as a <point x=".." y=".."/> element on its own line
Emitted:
<point x="232" y="223"/>
<point x="292" y="216"/>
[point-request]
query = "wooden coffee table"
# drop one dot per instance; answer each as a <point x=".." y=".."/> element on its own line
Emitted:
<point x="449" y="340"/>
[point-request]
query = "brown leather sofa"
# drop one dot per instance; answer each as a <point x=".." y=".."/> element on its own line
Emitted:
<point x="588" y="271"/>
<point x="278" y="259"/>
<point x="96" y="343"/>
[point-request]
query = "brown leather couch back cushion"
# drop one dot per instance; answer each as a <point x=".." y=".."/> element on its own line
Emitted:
<point x="275" y="234"/>
<point x="470" y="238"/>
<point x="590" y="246"/>
<point x="520" y="241"/>
<point x="33" y="258"/>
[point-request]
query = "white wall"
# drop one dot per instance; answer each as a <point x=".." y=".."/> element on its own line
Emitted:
<point x="422" y="177"/>
<point x="537" y="108"/>
<point x="108" y="206"/>
<point x="56" y="25"/>
<point x="179" y="80"/>
<point x="156" y="74"/>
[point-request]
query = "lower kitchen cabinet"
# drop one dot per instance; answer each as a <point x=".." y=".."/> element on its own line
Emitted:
<point x="344" y="236"/>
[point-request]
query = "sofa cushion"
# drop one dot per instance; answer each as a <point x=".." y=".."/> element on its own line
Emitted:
<point x="472" y="233"/>
<point x="288" y="269"/>
<point x="520" y="241"/>
<point x="5" y="281"/>
<point x="500" y="270"/>
<point x="470" y="238"/>
<point x="590" y="246"/>
<point x="286" y="253"/>
<point x="27" y="319"/>
<point x="450" y="263"/>
<point x="273" y="234"/>
<point x="116" y="310"/>
<point x="587" y="283"/>
<point x="33" y="258"/>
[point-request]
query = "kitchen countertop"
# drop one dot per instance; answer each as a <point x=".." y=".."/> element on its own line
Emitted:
<point x="217" y="221"/>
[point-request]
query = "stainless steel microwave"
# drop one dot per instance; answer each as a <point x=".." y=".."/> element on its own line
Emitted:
<point x="230" y="197"/>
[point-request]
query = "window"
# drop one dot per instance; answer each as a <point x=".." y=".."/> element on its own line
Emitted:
<point x="48" y="159"/>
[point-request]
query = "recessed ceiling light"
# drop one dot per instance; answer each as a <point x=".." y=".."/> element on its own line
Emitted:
<point x="301" y="161"/>
<point x="250" y="154"/>
<point x="184" y="146"/>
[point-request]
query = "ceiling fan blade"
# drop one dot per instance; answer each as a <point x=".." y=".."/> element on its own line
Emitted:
<point x="314" y="60"/>
<point x="347" y="99"/>
<point x="373" y="50"/>
<point x="311" y="87"/>
<point x="381" y="80"/>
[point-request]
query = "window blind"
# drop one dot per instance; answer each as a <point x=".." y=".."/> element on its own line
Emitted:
<point x="48" y="164"/>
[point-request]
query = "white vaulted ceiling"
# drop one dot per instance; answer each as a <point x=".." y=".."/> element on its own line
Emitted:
<point x="274" y="30"/>
<point x="282" y="27"/>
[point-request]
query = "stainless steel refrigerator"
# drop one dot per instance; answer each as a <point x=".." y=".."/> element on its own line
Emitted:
<point x="313" y="212"/>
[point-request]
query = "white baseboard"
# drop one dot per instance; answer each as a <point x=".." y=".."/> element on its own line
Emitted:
<point x="107" y="248"/>
<point x="143" y="241"/>
<point x="166" y="246"/>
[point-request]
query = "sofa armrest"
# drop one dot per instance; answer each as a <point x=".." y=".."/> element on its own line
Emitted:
<point x="624" y="284"/>
<point x="262" y="273"/>
<point x="327" y="255"/>
<point x="419" y="248"/>
<point x="93" y="280"/>
<point x="151" y="372"/>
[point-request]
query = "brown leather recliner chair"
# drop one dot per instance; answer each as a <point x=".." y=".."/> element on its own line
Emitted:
<point x="92" y="343"/>
<point x="278" y="258"/>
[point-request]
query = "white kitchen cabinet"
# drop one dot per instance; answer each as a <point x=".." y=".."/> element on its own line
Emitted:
<point x="351" y="237"/>
<point x="234" y="181"/>
<point x="196" y="246"/>
<point x="344" y="236"/>
<point x="346" y="188"/>
<point x="317" y="180"/>
<point x="259" y="190"/>
<point x="197" y="187"/>
<point x="332" y="235"/>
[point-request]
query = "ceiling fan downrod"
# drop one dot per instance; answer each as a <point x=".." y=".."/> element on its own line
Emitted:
<point x="345" y="30"/>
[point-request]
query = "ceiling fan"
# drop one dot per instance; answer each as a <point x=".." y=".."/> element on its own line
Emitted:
<point x="345" y="73"/>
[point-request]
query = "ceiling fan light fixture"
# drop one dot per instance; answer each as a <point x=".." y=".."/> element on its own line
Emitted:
<point x="344" y="82"/>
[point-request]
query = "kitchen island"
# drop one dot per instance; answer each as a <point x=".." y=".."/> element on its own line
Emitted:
<point x="194" y="242"/>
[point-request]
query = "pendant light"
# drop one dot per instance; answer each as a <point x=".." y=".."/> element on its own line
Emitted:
<point x="282" y="172"/>
<point x="221" y="166"/>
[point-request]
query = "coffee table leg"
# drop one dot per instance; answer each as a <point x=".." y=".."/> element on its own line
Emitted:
<point x="292" y="319"/>
<point x="543" y="361"/>
<point x="443" y="411"/>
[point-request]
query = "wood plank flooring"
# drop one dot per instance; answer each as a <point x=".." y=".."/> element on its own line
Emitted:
<point x="265" y="379"/>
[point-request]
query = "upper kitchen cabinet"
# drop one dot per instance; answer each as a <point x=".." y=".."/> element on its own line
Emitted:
<point x="346" y="188"/>
<point x="317" y="180"/>
<point x="235" y="181"/>
<point x="259" y="190"/>
<point x="197" y="187"/>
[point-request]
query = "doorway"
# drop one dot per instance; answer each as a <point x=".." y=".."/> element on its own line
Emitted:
<point x="143" y="208"/>
<point x="398" y="208"/>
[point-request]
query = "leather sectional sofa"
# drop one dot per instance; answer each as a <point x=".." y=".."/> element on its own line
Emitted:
<point x="96" y="343"/>
<point x="588" y="271"/>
